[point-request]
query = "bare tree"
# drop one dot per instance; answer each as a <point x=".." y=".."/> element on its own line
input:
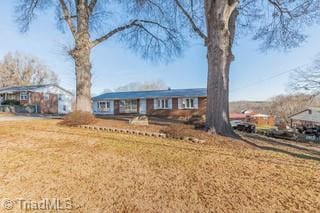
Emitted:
<point x="91" y="22"/>
<point x="20" y="70"/>
<point x="142" y="86"/>
<point x="279" y="24"/>
<point x="286" y="105"/>
<point x="306" y="79"/>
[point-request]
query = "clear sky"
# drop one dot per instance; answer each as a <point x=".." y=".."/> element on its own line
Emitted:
<point x="114" y="65"/>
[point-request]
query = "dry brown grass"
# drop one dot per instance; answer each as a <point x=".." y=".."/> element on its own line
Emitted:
<point x="110" y="172"/>
<point x="6" y="114"/>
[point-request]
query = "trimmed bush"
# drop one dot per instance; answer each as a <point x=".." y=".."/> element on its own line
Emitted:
<point x="77" y="118"/>
<point x="10" y="102"/>
<point x="177" y="131"/>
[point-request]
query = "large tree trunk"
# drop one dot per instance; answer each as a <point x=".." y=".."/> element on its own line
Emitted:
<point x="81" y="55"/>
<point x="83" y="80"/>
<point x="220" y="18"/>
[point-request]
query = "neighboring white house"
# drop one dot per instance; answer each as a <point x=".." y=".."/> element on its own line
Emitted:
<point x="48" y="98"/>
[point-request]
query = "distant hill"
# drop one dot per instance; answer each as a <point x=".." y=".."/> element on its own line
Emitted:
<point x="257" y="106"/>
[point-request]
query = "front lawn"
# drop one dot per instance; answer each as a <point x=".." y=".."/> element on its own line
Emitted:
<point x="103" y="172"/>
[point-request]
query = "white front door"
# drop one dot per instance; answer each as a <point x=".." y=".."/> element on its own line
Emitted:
<point x="143" y="107"/>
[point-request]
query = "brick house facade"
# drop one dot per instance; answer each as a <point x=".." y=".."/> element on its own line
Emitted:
<point x="161" y="103"/>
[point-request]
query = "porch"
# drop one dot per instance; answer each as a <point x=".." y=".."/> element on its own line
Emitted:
<point x="22" y="97"/>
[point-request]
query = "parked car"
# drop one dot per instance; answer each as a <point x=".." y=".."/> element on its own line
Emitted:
<point x="235" y="123"/>
<point x="243" y="126"/>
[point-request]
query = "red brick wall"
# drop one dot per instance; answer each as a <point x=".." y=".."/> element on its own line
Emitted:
<point x="175" y="103"/>
<point x="149" y="106"/>
<point x="116" y="107"/>
<point x="170" y="113"/>
<point x="202" y="106"/>
<point x="45" y="106"/>
<point x="270" y="121"/>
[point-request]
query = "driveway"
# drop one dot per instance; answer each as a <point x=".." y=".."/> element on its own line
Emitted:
<point x="18" y="118"/>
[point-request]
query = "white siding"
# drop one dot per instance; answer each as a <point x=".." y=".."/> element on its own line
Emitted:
<point x="196" y="103"/>
<point x="143" y="107"/>
<point x="179" y="103"/>
<point x="95" y="106"/>
<point x="155" y="103"/>
<point x="65" y="103"/>
<point x="170" y="103"/>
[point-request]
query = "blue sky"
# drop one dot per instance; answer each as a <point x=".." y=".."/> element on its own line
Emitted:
<point x="114" y="65"/>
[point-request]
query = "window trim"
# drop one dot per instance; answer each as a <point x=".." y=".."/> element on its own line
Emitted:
<point x="133" y="103"/>
<point x="107" y="106"/>
<point x="188" y="103"/>
<point x="163" y="103"/>
<point x="24" y="96"/>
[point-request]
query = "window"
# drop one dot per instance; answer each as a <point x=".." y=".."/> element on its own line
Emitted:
<point x="128" y="106"/>
<point x="104" y="106"/>
<point x="64" y="108"/>
<point x="23" y="96"/>
<point x="60" y="97"/>
<point x="162" y="103"/>
<point x="46" y="97"/>
<point x="189" y="103"/>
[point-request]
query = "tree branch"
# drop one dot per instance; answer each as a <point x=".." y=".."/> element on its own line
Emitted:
<point x="193" y="24"/>
<point x="134" y="23"/>
<point x="68" y="17"/>
<point x="113" y="32"/>
<point x="92" y="5"/>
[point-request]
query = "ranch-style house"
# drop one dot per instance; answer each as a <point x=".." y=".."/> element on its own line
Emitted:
<point x="167" y="103"/>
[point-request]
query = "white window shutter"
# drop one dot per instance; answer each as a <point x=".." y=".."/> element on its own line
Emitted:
<point x="196" y="103"/>
<point x="112" y="107"/>
<point x="179" y="103"/>
<point x="170" y="103"/>
<point x="155" y="104"/>
<point x="95" y="106"/>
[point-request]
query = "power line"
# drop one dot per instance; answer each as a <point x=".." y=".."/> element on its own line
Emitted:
<point x="263" y="80"/>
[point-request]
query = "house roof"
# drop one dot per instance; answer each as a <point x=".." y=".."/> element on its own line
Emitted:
<point x="29" y="88"/>
<point x="170" y="93"/>
<point x="304" y="115"/>
<point x="235" y="115"/>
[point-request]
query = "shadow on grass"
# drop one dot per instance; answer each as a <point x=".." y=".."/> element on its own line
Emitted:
<point x="274" y="149"/>
<point x="198" y="149"/>
<point x="275" y="142"/>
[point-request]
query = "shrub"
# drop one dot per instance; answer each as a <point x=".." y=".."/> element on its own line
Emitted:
<point x="177" y="131"/>
<point x="11" y="102"/>
<point x="77" y="118"/>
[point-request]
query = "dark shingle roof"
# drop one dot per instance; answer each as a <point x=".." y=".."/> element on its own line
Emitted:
<point x="199" y="92"/>
<point x="29" y="88"/>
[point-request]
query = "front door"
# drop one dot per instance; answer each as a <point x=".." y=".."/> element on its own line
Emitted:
<point x="143" y="107"/>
